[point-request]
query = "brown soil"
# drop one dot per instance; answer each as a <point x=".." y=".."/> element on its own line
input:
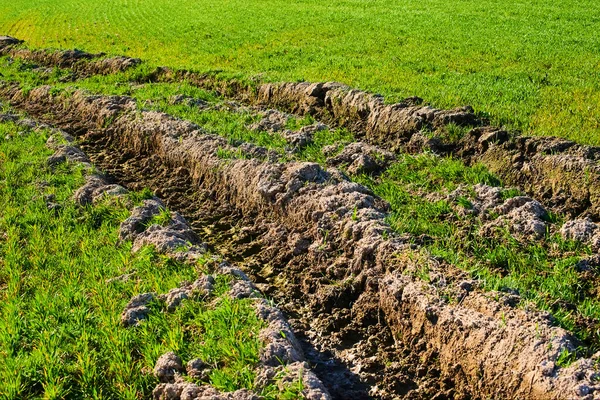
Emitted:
<point x="81" y="64"/>
<point x="350" y="286"/>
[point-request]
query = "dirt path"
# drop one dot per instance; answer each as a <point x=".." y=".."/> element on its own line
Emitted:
<point x="319" y="244"/>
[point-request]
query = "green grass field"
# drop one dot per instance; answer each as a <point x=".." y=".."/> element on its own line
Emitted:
<point x="531" y="65"/>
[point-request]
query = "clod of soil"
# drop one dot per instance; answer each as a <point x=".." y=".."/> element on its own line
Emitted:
<point x="96" y="187"/>
<point x="523" y="216"/>
<point x="581" y="230"/>
<point x="167" y="367"/>
<point x="362" y="158"/>
<point x="191" y="391"/>
<point x="137" y="309"/>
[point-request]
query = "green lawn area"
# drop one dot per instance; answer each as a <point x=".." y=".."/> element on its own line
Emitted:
<point x="531" y="65"/>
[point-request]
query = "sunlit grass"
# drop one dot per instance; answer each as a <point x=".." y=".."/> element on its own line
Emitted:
<point x="528" y="65"/>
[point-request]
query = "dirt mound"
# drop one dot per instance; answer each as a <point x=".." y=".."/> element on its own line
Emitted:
<point x="82" y="64"/>
<point x="362" y="158"/>
<point x="341" y="258"/>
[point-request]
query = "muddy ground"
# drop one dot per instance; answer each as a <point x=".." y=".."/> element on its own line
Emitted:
<point x="354" y="357"/>
<point x="369" y="325"/>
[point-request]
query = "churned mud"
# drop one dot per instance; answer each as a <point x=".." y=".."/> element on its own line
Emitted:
<point x="280" y="357"/>
<point x="319" y="244"/>
<point x="80" y="63"/>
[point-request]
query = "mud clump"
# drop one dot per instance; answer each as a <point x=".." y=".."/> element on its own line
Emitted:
<point x="70" y="153"/>
<point x="167" y="367"/>
<point x="362" y="158"/>
<point x="281" y="345"/>
<point x="313" y="387"/>
<point x="304" y="136"/>
<point x="276" y="121"/>
<point x="271" y="121"/>
<point x="202" y="287"/>
<point x="137" y="309"/>
<point x="581" y="230"/>
<point x="140" y="216"/>
<point x="523" y="216"/>
<point x="191" y="391"/>
<point x="64" y="149"/>
<point x="174" y="236"/>
<point x="170" y="238"/>
<point x="243" y="290"/>
<point x="197" y="369"/>
<point x="95" y="188"/>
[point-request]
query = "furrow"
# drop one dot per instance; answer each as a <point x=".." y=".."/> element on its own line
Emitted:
<point x="329" y="240"/>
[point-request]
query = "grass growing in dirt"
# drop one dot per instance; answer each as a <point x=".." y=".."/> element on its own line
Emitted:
<point x="543" y="272"/>
<point x="530" y="65"/>
<point x="60" y="332"/>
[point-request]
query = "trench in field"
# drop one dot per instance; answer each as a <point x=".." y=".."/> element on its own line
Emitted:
<point x="237" y="237"/>
<point x="395" y="371"/>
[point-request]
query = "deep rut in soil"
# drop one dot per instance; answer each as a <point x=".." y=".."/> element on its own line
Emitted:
<point x="224" y="229"/>
<point x="319" y="244"/>
<point x="348" y="289"/>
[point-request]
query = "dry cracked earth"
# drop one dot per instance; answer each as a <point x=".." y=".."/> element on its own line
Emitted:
<point x="319" y="244"/>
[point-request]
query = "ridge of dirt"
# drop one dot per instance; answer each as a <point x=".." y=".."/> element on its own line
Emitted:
<point x="561" y="173"/>
<point x="547" y="168"/>
<point x="281" y="354"/>
<point x="328" y="243"/>
<point x="82" y="64"/>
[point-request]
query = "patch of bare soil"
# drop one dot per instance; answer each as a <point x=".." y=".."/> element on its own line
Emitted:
<point x="564" y="175"/>
<point x="320" y="245"/>
<point x="81" y="63"/>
